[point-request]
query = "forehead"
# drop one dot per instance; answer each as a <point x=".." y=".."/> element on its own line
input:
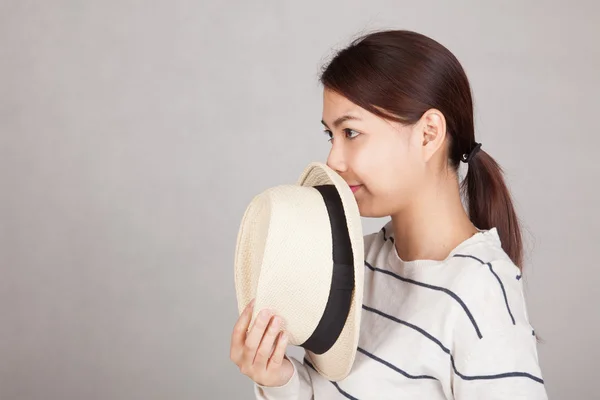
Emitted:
<point x="336" y="105"/>
<point x="337" y="109"/>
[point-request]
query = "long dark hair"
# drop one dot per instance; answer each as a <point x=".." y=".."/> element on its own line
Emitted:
<point x="399" y="75"/>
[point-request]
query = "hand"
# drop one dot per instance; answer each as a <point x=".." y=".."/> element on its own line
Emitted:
<point x="252" y="351"/>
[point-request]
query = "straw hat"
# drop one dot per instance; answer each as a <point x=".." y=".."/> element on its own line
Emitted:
<point x="296" y="243"/>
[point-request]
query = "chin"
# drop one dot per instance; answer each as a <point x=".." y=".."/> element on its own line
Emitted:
<point x="371" y="212"/>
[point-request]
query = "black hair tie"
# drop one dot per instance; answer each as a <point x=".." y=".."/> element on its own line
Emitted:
<point x="466" y="158"/>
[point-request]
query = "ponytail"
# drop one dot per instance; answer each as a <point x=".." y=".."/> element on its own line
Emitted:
<point x="490" y="203"/>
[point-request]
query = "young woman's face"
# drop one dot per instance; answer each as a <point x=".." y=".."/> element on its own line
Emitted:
<point x="382" y="157"/>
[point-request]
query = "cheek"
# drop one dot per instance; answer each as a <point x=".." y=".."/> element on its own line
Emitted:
<point x="397" y="178"/>
<point x="391" y="177"/>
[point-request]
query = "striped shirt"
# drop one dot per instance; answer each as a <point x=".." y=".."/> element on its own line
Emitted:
<point x="451" y="329"/>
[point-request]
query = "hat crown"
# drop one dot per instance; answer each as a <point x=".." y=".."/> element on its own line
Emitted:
<point x="287" y="249"/>
<point x="285" y="259"/>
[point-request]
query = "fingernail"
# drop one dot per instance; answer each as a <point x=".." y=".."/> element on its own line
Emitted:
<point x="265" y="314"/>
<point x="276" y="322"/>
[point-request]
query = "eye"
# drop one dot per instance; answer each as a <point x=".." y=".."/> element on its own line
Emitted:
<point x="350" y="134"/>
<point x="349" y="131"/>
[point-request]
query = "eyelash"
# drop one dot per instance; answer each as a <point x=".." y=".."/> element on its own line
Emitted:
<point x="347" y="130"/>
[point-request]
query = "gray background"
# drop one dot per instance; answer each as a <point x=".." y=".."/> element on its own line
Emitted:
<point x="133" y="135"/>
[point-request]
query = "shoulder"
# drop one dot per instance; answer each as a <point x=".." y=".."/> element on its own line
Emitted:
<point x="491" y="286"/>
<point x="480" y="263"/>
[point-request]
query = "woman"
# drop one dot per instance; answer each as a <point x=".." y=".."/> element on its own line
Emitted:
<point x="444" y="315"/>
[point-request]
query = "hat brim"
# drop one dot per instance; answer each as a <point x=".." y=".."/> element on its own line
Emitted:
<point x="336" y="363"/>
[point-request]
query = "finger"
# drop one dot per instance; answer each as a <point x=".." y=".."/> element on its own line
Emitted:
<point x="238" y="336"/>
<point x="279" y="352"/>
<point x="266" y="345"/>
<point x="255" y="335"/>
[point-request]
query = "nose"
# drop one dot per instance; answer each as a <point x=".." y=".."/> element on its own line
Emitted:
<point x="336" y="159"/>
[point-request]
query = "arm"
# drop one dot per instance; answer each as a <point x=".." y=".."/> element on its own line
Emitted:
<point x="299" y="387"/>
<point x="503" y="363"/>
<point x="501" y="366"/>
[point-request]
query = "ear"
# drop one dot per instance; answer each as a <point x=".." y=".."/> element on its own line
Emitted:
<point x="433" y="130"/>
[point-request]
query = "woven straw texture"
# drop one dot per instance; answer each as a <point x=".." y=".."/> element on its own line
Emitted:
<point x="284" y="259"/>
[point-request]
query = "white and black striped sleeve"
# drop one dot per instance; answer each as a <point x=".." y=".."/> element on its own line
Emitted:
<point x="299" y="387"/>
<point x="501" y="363"/>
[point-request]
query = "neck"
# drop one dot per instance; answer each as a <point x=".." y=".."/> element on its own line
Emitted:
<point x="432" y="224"/>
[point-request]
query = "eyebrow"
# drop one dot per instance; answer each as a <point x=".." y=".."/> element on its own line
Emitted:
<point x="341" y="119"/>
